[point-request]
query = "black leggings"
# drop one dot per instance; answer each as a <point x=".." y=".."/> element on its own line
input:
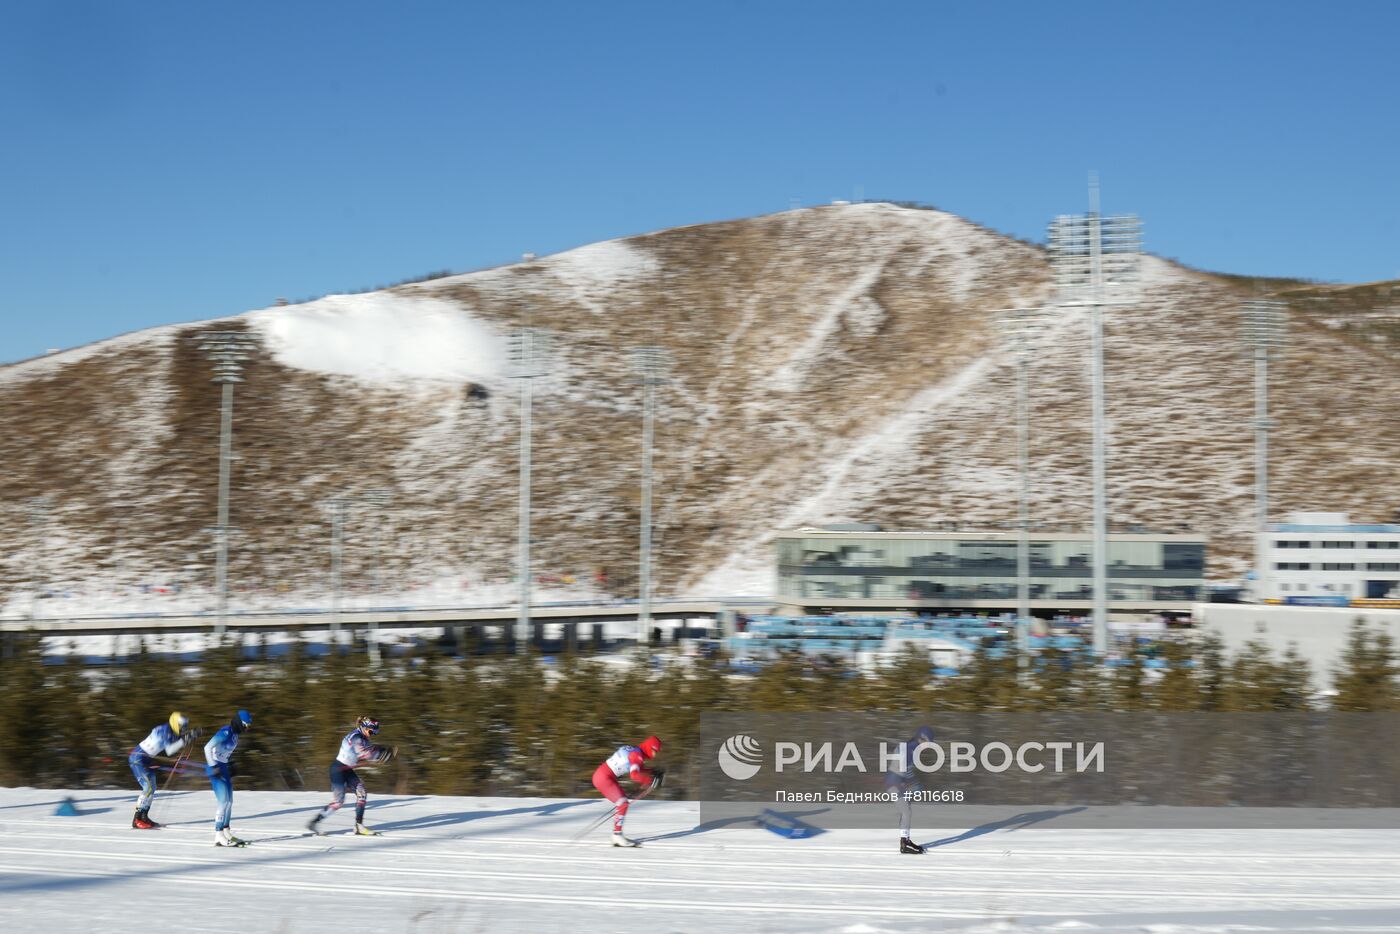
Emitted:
<point x="343" y="778"/>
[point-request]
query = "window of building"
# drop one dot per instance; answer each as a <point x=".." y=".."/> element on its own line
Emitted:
<point x="1394" y="544"/>
<point x="1291" y="543"/>
<point x="1336" y="544"/>
<point x="1338" y="566"/>
<point x="1293" y="566"/>
<point x="1383" y="566"/>
<point x="1183" y="557"/>
<point x="987" y="554"/>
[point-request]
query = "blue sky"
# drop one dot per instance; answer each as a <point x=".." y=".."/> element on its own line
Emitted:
<point x="175" y="161"/>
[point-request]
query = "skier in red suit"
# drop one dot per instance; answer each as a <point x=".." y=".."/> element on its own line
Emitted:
<point x="627" y="762"/>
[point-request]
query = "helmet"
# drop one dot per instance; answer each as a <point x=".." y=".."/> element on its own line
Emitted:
<point x="241" y="721"/>
<point x="178" y="722"/>
<point x="367" y="723"/>
<point x="650" y="747"/>
<point x="924" y="734"/>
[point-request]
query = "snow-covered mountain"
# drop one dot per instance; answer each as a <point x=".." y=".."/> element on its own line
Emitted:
<point x="831" y="363"/>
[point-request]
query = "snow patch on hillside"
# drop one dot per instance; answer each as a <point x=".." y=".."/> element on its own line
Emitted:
<point x="589" y="275"/>
<point x="1153" y="271"/>
<point x="383" y="337"/>
<point x="853" y="301"/>
<point x="601" y="265"/>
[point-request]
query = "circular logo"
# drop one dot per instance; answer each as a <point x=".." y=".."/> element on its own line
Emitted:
<point x="740" y="757"/>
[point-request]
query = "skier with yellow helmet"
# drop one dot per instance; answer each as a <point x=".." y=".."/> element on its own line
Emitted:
<point x="164" y="741"/>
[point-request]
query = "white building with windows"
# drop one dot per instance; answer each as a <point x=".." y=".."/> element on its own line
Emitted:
<point x="1322" y="555"/>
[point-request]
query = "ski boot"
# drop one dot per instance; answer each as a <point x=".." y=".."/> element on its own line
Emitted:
<point x="225" y="837"/>
<point x="362" y="831"/>
<point x="909" y="846"/>
<point x="620" y="839"/>
<point x="314" y="825"/>
<point x="142" y="821"/>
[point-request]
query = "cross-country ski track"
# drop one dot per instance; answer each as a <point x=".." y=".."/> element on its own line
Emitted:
<point x="486" y="864"/>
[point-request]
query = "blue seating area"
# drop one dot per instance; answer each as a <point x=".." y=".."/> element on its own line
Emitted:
<point x="840" y="635"/>
<point x="817" y="627"/>
<point x="850" y="635"/>
<point x="1064" y="643"/>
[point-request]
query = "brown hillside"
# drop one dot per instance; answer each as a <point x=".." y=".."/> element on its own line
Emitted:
<point x="837" y="362"/>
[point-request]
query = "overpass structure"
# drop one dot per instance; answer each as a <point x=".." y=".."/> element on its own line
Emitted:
<point x="718" y="614"/>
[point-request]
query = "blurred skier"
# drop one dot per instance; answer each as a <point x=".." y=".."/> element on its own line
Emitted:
<point x="627" y="762"/>
<point x="903" y="781"/>
<point x="355" y="749"/>
<point x="164" y="741"/>
<point x="217" y="753"/>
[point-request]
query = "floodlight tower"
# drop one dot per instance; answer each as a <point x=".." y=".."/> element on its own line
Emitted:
<point x="1265" y="327"/>
<point x="530" y="350"/>
<point x="1094" y="258"/>
<point x="1022" y="327"/>
<point x="227" y="350"/>
<point x="652" y="366"/>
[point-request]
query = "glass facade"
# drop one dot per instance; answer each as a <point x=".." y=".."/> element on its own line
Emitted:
<point x="892" y="569"/>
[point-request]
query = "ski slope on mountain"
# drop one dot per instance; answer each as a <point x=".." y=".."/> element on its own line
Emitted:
<point x="457" y="864"/>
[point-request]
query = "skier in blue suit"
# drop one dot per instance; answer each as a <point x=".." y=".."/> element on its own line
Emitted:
<point x="902" y="781"/>
<point x="217" y="753"/>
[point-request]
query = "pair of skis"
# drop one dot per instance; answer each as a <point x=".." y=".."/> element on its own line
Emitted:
<point x="301" y="836"/>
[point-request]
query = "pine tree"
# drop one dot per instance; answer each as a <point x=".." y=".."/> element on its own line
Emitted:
<point x="987" y="683"/>
<point x="1367" y="672"/>
<point x="1256" y="682"/>
<point x="1211" y="673"/>
<point x="22" y="741"/>
<point x="1178" y="689"/>
<point x="75" y="757"/>
<point x="1128" y="689"/>
<point x="1057" y="681"/>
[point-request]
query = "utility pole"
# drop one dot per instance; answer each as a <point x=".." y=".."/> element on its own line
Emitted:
<point x="338" y="505"/>
<point x="39" y="508"/>
<point x="1022" y="327"/>
<point x="380" y="499"/>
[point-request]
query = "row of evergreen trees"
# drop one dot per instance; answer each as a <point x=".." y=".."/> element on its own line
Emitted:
<point x="528" y="726"/>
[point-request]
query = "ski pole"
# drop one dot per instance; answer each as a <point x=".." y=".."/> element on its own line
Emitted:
<point x="174" y="770"/>
<point x="599" y="822"/>
<point x="595" y="825"/>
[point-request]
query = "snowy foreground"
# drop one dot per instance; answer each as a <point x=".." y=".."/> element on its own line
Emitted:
<point x="488" y="864"/>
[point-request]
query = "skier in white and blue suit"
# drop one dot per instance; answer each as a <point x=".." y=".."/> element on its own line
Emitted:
<point x="217" y="753"/>
<point x="902" y="780"/>
<point x="355" y="749"/>
<point x="165" y="740"/>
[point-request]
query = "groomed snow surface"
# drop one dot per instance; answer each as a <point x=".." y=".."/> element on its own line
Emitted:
<point x="507" y="864"/>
